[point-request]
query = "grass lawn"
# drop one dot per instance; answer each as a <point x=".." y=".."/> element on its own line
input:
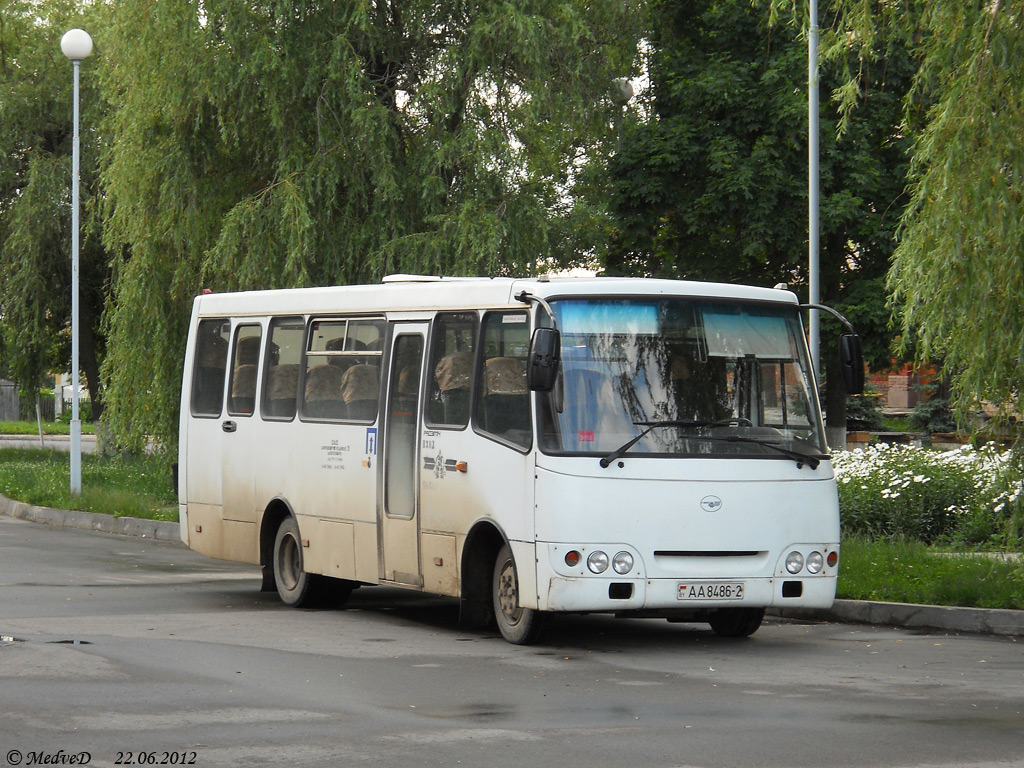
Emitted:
<point x="49" y="428"/>
<point x="136" y="486"/>
<point x="870" y="569"/>
<point x="910" y="572"/>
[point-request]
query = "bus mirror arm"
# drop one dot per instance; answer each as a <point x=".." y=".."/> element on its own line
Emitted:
<point x="526" y="297"/>
<point x="851" y="353"/>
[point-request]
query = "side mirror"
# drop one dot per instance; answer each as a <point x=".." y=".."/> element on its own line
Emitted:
<point x="851" y="363"/>
<point x="545" y="357"/>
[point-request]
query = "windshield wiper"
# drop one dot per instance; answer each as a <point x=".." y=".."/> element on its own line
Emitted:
<point x="621" y="450"/>
<point x="799" y="458"/>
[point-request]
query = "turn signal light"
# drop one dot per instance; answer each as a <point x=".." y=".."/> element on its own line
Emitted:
<point x="572" y="558"/>
<point x="832" y="559"/>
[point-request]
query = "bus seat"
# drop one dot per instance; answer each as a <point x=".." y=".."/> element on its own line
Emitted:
<point x="506" y="401"/>
<point x="323" y="393"/>
<point x="360" y="387"/>
<point x="408" y="391"/>
<point x="243" y="389"/>
<point x="248" y="351"/>
<point x="454" y="374"/>
<point x="338" y="361"/>
<point x="282" y="387"/>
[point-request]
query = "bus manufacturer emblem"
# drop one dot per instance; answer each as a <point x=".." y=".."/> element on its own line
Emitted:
<point x="711" y="503"/>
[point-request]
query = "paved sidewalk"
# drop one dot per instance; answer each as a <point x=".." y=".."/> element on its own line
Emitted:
<point x="52" y="442"/>
<point x="945" y="618"/>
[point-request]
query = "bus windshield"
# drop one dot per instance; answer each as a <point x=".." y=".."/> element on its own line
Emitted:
<point x="702" y="378"/>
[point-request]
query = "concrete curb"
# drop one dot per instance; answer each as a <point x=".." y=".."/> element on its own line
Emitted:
<point x="986" y="621"/>
<point x="91" y="521"/>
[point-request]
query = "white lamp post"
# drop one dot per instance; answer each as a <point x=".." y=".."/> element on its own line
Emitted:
<point x="813" y="223"/>
<point x="76" y="45"/>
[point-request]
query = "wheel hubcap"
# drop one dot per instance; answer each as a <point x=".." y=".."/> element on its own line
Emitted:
<point x="288" y="562"/>
<point x="508" y="594"/>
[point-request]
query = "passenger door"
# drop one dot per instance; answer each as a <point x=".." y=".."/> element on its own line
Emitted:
<point x="399" y="520"/>
<point x="206" y="404"/>
<point x="238" y="479"/>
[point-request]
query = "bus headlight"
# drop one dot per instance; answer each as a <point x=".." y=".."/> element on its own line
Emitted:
<point x="794" y="562"/>
<point x="815" y="562"/>
<point x="597" y="562"/>
<point x="622" y="563"/>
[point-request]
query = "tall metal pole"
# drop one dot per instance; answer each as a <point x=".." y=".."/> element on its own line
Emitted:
<point x="76" y="45"/>
<point x="76" y="423"/>
<point x="813" y="228"/>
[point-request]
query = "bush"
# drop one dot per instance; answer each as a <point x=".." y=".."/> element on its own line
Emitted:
<point x="966" y="496"/>
<point x="864" y="411"/>
<point x="934" y="413"/>
<point x="84" y="412"/>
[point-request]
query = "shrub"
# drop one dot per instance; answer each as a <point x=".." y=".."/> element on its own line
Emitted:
<point x="966" y="496"/>
<point x="864" y="411"/>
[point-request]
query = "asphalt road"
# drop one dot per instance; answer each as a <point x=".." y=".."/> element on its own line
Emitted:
<point x="121" y="647"/>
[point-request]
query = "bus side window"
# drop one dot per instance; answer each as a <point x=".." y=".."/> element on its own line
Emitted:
<point x="342" y="375"/>
<point x="281" y="369"/>
<point x="242" y="400"/>
<point x="503" y="402"/>
<point x="209" y="367"/>
<point x="451" y="367"/>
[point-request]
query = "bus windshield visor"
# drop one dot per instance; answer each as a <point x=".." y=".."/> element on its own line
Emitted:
<point x="695" y="378"/>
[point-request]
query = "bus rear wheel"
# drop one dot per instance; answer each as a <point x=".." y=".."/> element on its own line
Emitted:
<point x="736" y="622"/>
<point x="295" y="587"/>
<point x="518" y="625"/>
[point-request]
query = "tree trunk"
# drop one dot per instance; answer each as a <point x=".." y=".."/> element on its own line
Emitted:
<point x="89" y="360"/>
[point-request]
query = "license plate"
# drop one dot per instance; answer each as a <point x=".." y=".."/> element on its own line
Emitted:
<point x="710" y="590"/>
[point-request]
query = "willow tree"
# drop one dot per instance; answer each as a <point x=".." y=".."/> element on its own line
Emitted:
<point x="35" y="185"/>
<point x="270" y="144"/>
<point x="957" y="275"/>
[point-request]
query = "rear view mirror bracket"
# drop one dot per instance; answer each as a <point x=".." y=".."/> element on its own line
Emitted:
<point x="851" y="353"/>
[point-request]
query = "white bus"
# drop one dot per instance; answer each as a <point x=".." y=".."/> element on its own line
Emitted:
<point x="641" y="447"/>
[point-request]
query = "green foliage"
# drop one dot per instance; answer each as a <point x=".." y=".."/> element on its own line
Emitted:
<point x="864" y="412"/>
<point x="35" y="182"/>
<point x="84" y="413"/>
<point x="933" y="415"/>
<point x="967" y="496"/>
<point x="957" y="276"/>
<point x="909" y="572"/>
<point x="124" y="486"/>
<point x="279" y="145"/>
<point x="713" y="184"/>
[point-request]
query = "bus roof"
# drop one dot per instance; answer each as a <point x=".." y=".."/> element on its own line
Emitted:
<point x="418" y="293"/>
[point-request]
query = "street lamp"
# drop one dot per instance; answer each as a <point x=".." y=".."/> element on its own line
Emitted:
<point x="76" y="45"/>
<point x="813" y="193"/>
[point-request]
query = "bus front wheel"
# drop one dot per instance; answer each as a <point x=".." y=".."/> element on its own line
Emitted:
<point x="518" y="625"/>
<point x="736" y="622"/>
<point x="295" y="587"/>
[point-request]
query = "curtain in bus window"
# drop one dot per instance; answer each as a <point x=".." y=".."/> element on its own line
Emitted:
<point x="739" y="333"/>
